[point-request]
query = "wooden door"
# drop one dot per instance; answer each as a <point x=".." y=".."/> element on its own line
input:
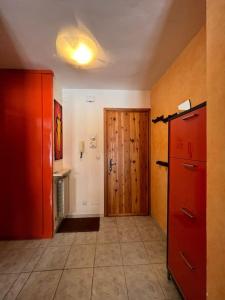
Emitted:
<point x="126" y="162"/>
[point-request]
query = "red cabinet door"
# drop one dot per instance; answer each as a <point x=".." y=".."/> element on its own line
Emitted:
<point x="47" y="153"/>
<point x="186" y="268"/>
<point x="188" y="136"/>
<point x="187" y="191"/>
<point x="187" y="233"/>
<point x="22" y="206"/>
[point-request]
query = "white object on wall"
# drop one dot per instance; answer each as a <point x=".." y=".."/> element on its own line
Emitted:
<point x="186" y="105"/>
<point x="81" y="148"/>
<point x="93" y="142"/>
<point x="90" y="99"/>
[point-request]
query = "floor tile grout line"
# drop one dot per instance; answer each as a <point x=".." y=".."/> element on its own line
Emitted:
<point x="71" y="246"/>
<point x="92" y="282"/>
<point x="121" y="253"/>
<point x="124" y="272"/>
<point x="11" y="286"/>
<point x="38" y="259"/>
<point x="120" y="242"/>
<point x="40" y="270"/>
<point x="23" y="285"/>
<point x="149" y="263"/>
<point x="63" y="269"/>
<point x="160" y="285"/>
<point x="149" y="258"/>
<point x="123" y="267"/>
<point x="85" y="267"/>
<point x="54" y="295"/>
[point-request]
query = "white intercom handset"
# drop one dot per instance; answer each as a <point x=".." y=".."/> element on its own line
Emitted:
<point x="81" y="149"/>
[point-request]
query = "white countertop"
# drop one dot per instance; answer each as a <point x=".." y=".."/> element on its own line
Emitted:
<point x="61" y="173"/>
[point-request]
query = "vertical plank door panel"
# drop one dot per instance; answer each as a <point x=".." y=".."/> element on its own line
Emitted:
<point x="127" y="146"/>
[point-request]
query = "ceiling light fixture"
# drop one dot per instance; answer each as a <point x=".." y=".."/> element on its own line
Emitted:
<point x="78" y="47"/>
<point x="83" y="54"/>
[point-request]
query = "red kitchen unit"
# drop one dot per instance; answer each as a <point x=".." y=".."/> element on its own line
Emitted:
<point x="186" y="251"/>
<point x="26" y="99"/>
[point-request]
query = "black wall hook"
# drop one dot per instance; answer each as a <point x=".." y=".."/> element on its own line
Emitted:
<point x="162" y="163"/>
<point x="163" y="119"/>
<point x="158" y="119"/>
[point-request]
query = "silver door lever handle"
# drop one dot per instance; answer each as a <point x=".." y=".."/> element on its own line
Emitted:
<point x="111" y="164"/>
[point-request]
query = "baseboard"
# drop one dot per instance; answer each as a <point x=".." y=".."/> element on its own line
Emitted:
<point x="83" y="215"/>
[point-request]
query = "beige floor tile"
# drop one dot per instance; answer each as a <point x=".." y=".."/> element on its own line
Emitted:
<point x="81" y="256"/>
<point x="17" y="286"/>
<point x="75" y="284"/>
<point x="107" y="226"/>
<point x="33" y="243"/>
<point x="150" y="233"/>
<point x="134" y="253"/>
<point x="142" y="283"/>
<point x="118" y="238"/>
<point x="61" y="239"/>
<point x="44" y="243"/>
<point x="108" y="255"/>
<point x="128" y="234"/>
<point x="125" y="221"/>
<point x="108" y="236"/>
<point x="107" y="221"/>
<point x="53" y="258"/>
<point x="168" y="286"/>
<point x="29" y="267"/>
<point x="85" y="238"/>
<point x="109" y="283"/>
<point x="40" y="285"/>
<point x="15" y="244"/>
<point x="156" y="251"/>
<point x="143" y="220"/>
<point x="14" y="260"/>
<point x="6" y="281"/>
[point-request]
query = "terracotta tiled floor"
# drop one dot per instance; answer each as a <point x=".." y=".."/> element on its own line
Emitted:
<point x="124" y="260"/>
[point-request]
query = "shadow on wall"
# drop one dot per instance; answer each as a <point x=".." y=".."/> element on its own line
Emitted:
<point x="72" y="206"/>
<point x="16" y="178"/>
<point x="10" y="49"/>
<point x="188" y="16"/>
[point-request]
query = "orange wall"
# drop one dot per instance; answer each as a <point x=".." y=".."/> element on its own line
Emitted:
<point x="216" y="149"/>
<point x="185" y="79"/>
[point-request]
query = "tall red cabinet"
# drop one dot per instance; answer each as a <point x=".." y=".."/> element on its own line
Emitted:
<point x="186" y="256"/>
<point x="26" y="99"/>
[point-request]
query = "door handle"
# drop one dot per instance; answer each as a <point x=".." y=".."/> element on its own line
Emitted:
<point x="189" y="117"/>
<point x="111" y="164"/>
<point x="186" y="261"/>
<point x="187" y="213"/>
<point x="189" y="166"/>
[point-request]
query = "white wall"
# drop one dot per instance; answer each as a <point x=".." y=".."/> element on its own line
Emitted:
<point x="81" y="121"/>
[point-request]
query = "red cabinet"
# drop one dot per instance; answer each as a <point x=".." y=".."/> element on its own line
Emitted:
<point x="188" y="136"/>
<point x="26" y="154"/>
<point x="187" y="204"/>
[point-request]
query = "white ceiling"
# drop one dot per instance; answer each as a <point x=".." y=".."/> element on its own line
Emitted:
<point x="142" y="36"/>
